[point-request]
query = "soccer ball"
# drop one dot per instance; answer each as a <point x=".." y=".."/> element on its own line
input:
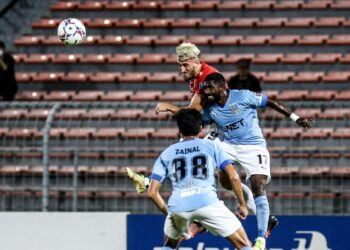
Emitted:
<point x="71" y="31"/>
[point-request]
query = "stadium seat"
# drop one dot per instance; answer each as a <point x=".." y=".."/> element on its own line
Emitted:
<point x="101" y="23"/>
<point x="148" y="58"/>
<point x="71" y="114"/>
<point x="296" y="58"/>
<point x="308" y="77"/>
<point x="256" y="40"/>
<point x="326" y="155"/>
<point x="343" y="172"/>
<point x="341" y="133"/>
<point x="234" y="58"/>
<point x="38" y="58"/>
<point x="288" y="5"/>
<point x="214" y="23"/>
<point x="174" y="5"/>
<point x="243" y="23"/>
<point x="67" y="58"/>
<point x="271" y="93"/>
<point x="300" y="22"/>
<point x="105" y="77"/>
<point x="133" y="77"/>
<point x="275" y="22"/>
<point x="308" y="112"/>
<point x="278" y="172"/>
<point x="227" y="40"/>
<point x="278" y="77"/>
<point x="29" y="40"/>
<point x="175" y="96"/>
<point x="267" y="58"/>
<point x="329" y="22"/>
<point x="145" y="5"/>
<point x="325" y="58"/>
<point x="162" y="77"/>
<point x="127" y="114"/>
<point x="82" y="133"/>
<point x="200" y="39"/>
<point x="30" y="95"/>
<point x="204" y="5"/>
<point x="112" y="40"/>
<point x="325" y="95"/>
<point x="286" y="133"/>
<point x="51" y="40"/>
<point x="92" y="40"/>
<point x="186" y="23"/>
<point x="141" y="40"/>
<point x="138" y="133"/>
<point x="345" y="59"/>
<point x="339" y="40"/>
<point x="313" y="40"/>
<point x="13" y="114"/>
<point x="316" y="5"/>
<point x="75" y="77"/>
<point x="56" y="133"/>
<point x="38" y="114"/>
<point x="314" y="171"/>
<point x="22" y="133"/>
<point x="296" y="155"/>
<point x="19" y="57"/>
<point x="118" y="5"/>
<point x="232" y="5"/>
<point x="124" y="58"/>
<point x="270" y="114"/>
<point x="212" y="58"/>
<point x="91" y="5"/>
<point x="59" y="96"/>
<point x="337" y="77"/>
<point x="285" y="40"/>
<point x="24" y="77"/>
<point x="64" y="6"/>
<point x="158" y="23"/>
<point x="95" y="59"/>
<point x="99" y="114"/>
<point x="116" y="96"/>
<point x="146" y="96"/>
<point x="129" y="23"/>
<point x="343" y="95"/>
<point x="170" y="40"/>
<point x="46" y="77"/>
<point x="317" y="133"/>
<point x="260" y="5"/>
<point x="335" y="113"/>
<point x="85" y="95"/>
<point x="151" y="115"/>
<point x="340" y="5"/>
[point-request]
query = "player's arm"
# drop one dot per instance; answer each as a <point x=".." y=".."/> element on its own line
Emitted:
<point x="154" y="195"/>
<point x="169" y="107"/>
<point x="279" y="107"/>
<point x="237" y="188"/>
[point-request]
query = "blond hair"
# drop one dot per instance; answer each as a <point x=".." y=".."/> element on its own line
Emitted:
<point x="186" y="51"/>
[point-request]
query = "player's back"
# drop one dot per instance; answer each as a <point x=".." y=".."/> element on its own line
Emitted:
<point x="190" y="165"/>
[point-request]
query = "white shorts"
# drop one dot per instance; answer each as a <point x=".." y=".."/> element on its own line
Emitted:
<point x="217" y="218"/>
<point x="254" y="159"/>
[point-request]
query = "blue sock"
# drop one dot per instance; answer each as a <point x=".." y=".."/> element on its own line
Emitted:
<point x="246" y="248"/>
<point x="262" y="214"/>
<point x="169" y="248"/>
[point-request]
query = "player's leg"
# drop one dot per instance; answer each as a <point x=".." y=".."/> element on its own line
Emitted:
<point x="240" y="240"/>
<point x="176" y="229"/>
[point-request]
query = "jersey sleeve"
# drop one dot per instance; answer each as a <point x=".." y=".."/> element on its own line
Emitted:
<point x="159" y="171"/>
<point x="221" y="157"/>
<point x="253" y="99"/>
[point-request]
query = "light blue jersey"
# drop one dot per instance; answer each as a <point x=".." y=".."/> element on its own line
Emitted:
<point x="238" y="120"/>
<point x="190" y="165"/>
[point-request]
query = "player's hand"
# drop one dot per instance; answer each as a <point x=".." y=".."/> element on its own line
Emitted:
<point x="162" y="107"/>
<point x="305" y="123"/>
<point x="242" y="212"/>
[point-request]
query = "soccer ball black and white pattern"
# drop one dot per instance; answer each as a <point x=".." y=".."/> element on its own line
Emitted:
<point x="71" y="31"/>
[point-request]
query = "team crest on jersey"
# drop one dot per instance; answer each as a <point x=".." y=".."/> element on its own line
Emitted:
<point x="235" y="109"/>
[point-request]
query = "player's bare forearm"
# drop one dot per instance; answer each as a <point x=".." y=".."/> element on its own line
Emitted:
<point x="279" y="107"/>
<point x="154" y="195"/>
<point x="169" y="107"/>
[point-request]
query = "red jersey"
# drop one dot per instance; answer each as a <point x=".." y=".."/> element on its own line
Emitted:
<point x="195" y="83"/>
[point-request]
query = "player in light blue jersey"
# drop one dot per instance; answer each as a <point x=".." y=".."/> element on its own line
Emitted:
<point x="234" y="112"/>
<point x="190" y="164"/>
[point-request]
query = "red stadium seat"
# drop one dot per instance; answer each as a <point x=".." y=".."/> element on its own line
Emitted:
<point x="200" y="39"/>
<point x="166" y="133"/>
<point x="326" y="58"/>
<point x="80" y="132"/>
<point x="335" y="113"/>
<point x="300" y="22"/>
<point x="101" y="23"/>
<point x="270" y="114"/>
<point x="284" y="171"/>
<point x="343" y="95"/>
<point x="316" y="5"/>
<point x="214" y="22"/>
<point x="138" y="133"/>
<point x="317" y="133"/>
<point x="70" y="114"/>
<point x="243" y="23"/>
<point x="204" y="5"/>
<point x="313" y="40"/>
<point x="92" y="40"/>
<point x="340" y="5"/>
<point x="296" y="58"/>
<point x="212" y="58"/>
<point x="76" y="77"/>
<point x="256" y="40"/>
<point x="19" y="58"/>
<point x="108" y="133"/>
<point x="130" y="77"/>
<point x="267" y="132"/>
<point x="22" y="133"/>
<point x="112" y="40"/>
<point x="234" y="58"/>
<point x="85" y="95"/>
<point x="129" y="23"/>
<point x="329" y="22"/>
<point x="158" y="23"/>
<point x="162" y="77"/>
<point x="321" y="95"/>
<point x="92" y="5"/>
<point x="151" y="115"/>
<point x="16" y="114"/>
<point x="227" y="40"/>
<point x="186" y="23"/>
<point x="48" y="77"/>
<point x="118" y="5"/>
<point x="141" y="40"/>
<point x="271" y="93"/>
<point x="67" y="58"/>
<point x="174" y="5"/>
<point x="345" y="59"/>
<point x="260" y="5"/>
<point x="286" y="133"/>
<point x="59" y="96"/>
<point x="148" y="58"/>
<point x="343" y="172"/>
<point x="293" y="95"/>
<point x="95" y="59"/>
<point x="341" y="133"/>
<point x="275" y="22"/>
<point x="267" y="58"/>
<point x="29" y="40"/>
<point x="58" y="133"/>
<point x="146" y="5"/>
<point x="51" y="40"/>
<point x="284" y="40"/>
<point x="170" y="40"/>
<point x="339" y="40"/>
<point x="40" y="114"/>
<point x="30" y="95"/>
<point x="46" y="23"/>
<point x="175" y="96"/>
<point x="308" y="112"/>
<point x="3" y="131"/>
<point x="23" y="77"/>
<point x="128" y="114"/>
<point x="99" y="114"/>
<point x="308" y="77"/>
<point x="278" y="77"/>
<point x="337" y="77"/>
<point x="117" y="96"/>
<point x="232" y="5"/>
<point x="105" y="77"/>
<point x="314" y="171"/>
<point x="146" y="96"/>
<point x="288" y="5"/>
<point x="64" y="6"/>
<point x="124" y="58"/>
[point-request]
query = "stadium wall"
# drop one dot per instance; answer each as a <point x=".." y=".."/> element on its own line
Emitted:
<point x="58" y="231"/>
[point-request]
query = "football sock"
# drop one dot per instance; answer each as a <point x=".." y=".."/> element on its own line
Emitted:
<point x="167" y="248"/>
<point x="262" y="214"/>
<point x="249" y="199"/>
<point x="246" y="248"/>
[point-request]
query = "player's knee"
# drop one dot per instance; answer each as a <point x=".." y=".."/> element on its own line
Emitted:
<point x="258" y="184"/>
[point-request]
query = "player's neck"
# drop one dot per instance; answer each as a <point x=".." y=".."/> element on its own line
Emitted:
<point x="189" y="137"/>
<point x="223" y="98"/>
